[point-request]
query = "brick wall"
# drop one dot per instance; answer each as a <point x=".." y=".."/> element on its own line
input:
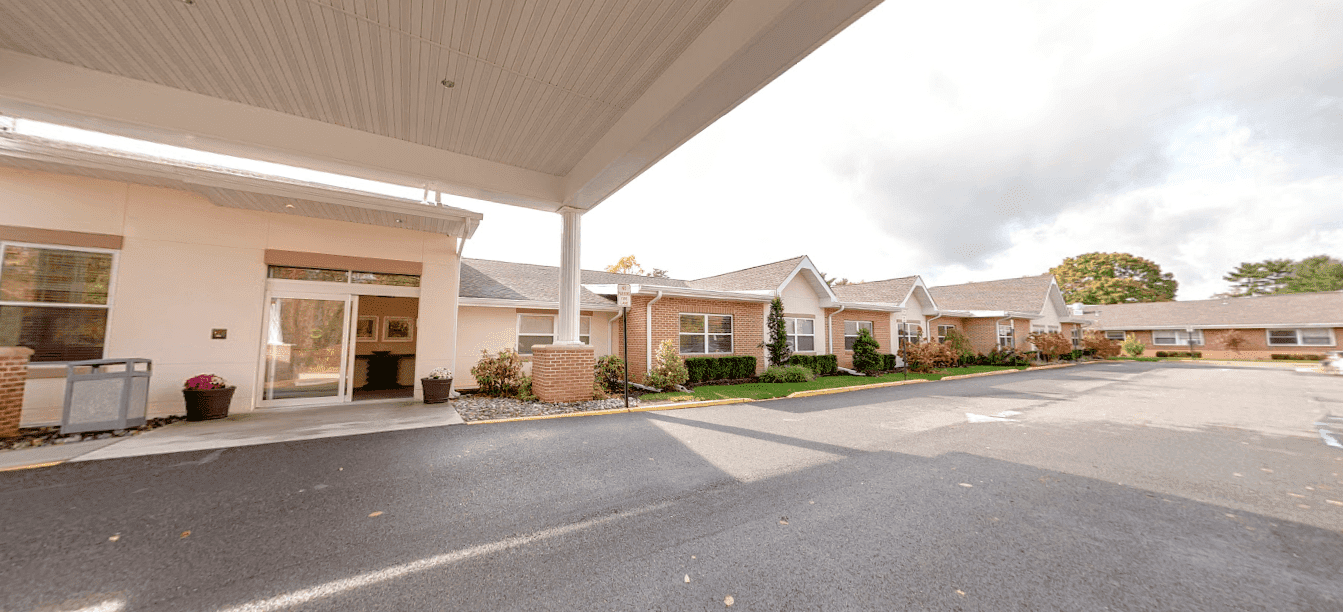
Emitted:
<point x="1255" y="346"/>
<point x="983" y="334"/>
<point x="13" y="378"/>
<point x="563" y="372"/>
<point x="881" y="331"/>
<point x="748" y="326"/>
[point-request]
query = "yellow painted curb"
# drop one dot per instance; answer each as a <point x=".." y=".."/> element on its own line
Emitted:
<point x="33" y="466"/>
<point x="815" y="392"/>
<point x="540" y="417"/>
<point x="978" y="374"/>
<point x="680" y="405"/>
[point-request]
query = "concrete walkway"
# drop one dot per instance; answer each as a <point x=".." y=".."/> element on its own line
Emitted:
<point x="263" y="426"/>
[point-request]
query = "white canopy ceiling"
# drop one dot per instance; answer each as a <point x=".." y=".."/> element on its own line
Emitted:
<point x="552" y="103"/>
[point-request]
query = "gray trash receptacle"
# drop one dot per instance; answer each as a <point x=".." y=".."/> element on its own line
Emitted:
<point x="103" y="394"/>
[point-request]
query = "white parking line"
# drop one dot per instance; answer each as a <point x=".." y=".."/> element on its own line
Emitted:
<point x="344" y="585"/>
<point x="1329" y="439"/>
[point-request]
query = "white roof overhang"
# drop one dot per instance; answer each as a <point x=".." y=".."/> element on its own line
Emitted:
<point x="865" y="306"/>
<point x="234" y="188"/>
<point x="541" y="305"/>
<point x="704" y="294"/>
<point x="551" y="106"/>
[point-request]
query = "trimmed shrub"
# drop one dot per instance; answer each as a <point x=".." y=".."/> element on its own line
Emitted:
<point x="1294" y="356"/>
<point x="525" y="390"/>
<point x="960" y="345"/>
<point x="702" y="369"/>
<point x="865" y="355"/>
<point x="929" y="356"/>
<point x="787" y="374"/>
<point x="1102" y="346"/>
<point x="610" y="373"/>
<point x="888" y="362"/>
<point x="498" y="374"/>
<point x="1051" y="345"/>
<point x="668" y="367"/>
<point x="821" y="365"/>
<point x="1195" y="354"/>
<point x="1132" y="346"/>
<point x="1001" y="357"/>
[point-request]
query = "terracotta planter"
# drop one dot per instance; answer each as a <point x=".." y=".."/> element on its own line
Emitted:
<point x="436" y="390"/>
<point x="206" y="404"/>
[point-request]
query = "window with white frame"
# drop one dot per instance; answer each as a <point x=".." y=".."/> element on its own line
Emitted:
<point x="1321" y="336"/>
<point x="1007" y="336"/>
<point x="1077" y="338"/>
<point x="706" y="334"/>
<point x="851" y="332"/>
<point x="534" y="329"/>
<point x="942" y="332"/>
<point x="1175" y="337"/>
<point x="909" y="333"/>
<point x="1115" y="334"/>
<point x="55" y="300"/>
<point x="801" y="334"/>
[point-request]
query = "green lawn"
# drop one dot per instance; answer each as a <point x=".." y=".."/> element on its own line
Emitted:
<point x="769" y="390"/>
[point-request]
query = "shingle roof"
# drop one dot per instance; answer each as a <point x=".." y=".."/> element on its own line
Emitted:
<point x="1025" y="294"/>
<point x="1288" y="309"/>
<point x="768" y="276"/>
<point x="502" y="280"/>
<point x="891" y="291"/>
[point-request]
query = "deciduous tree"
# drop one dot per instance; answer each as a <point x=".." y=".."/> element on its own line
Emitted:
<point x="1318" y="273"/>
<point x="1113" y="278"/>
<point x="626" y="265"/>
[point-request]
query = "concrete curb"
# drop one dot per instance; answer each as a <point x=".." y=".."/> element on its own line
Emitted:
<point x="744" y="400"/>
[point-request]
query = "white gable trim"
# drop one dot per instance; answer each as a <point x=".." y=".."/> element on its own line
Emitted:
<point x="828" y="297"/>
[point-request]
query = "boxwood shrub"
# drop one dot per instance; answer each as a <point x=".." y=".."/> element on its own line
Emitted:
<point x="720" y="368"/>
<point x="1294" y="356"/>
<point x="822" y="365"/>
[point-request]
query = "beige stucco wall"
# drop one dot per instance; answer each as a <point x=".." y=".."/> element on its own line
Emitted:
<point x="799" y="298"/>
<point x="188" y="266"/>
<point x="491" y="329"/>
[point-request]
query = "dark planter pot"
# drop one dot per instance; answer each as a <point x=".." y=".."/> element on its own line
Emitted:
<point x="436" y="390"/>
<point x="206" y="404"/>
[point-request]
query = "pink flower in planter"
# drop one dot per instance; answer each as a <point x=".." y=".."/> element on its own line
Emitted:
<point x="202" y="382"/>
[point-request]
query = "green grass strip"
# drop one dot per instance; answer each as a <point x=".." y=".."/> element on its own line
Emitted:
<point x="772" y="390"/>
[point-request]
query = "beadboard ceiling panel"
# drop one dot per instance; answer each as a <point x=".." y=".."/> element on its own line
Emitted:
<point x="537" y="82"/>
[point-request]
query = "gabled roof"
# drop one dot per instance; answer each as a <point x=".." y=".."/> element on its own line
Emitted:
<point x="1293" y="309"/>
<point x="1025" y="294"/>
<point x="767" y="277"/>
<point x="891" y="291"/>
<point x="502" y="280"/>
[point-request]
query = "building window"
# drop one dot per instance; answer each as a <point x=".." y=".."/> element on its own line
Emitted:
<point x="1301" y="337"/>
<point x="1006" y="336"/>
<point x="801" y="334"/>
<point x="1116" y="335"/>
<point x="1175" y="337"/>
<point x="1077" y="338"/>
<point x="703" y="334"/>
<point x="909" y="333"/>
<point x="55" y="300"/>
<point x="851" y="332"/>
<point x="942" y="332"/>
<point x="534" y="329"/>
<point x="343" y="276"/>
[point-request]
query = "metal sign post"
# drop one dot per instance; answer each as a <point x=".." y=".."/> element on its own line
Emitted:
<point x="623" y="300"/>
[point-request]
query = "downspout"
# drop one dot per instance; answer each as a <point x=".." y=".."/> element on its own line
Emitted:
<point x="648" y="326"/>
<point x="929" y="325"/>
<point x="611" y="334"/>
<point x="830" y="329"/>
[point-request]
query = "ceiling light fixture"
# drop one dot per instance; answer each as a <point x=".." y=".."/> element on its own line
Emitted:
<point x="447" y="83"/>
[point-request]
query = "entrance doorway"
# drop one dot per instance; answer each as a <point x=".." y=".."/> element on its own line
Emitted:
<point x="384" y="348"/>
<point x="334" y="336"/>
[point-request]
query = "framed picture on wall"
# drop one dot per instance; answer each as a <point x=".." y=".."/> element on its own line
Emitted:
<point x="366" y="329"/>
<point x="398" y="329"/>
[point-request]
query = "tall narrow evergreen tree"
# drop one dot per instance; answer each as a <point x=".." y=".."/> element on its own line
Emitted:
<point x="779" y="353"/>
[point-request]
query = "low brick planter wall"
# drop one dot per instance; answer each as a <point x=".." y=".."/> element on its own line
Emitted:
<point x="13" y="379"/>
<point x="563" y="372"/>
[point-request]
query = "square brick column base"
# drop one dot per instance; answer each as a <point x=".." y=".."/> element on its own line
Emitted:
<point x="13" y="378"/>
<point x="563" y="372"/>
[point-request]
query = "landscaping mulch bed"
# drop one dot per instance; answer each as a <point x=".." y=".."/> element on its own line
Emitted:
<point x="483" y="408"/>
<point x="30" y="437"/>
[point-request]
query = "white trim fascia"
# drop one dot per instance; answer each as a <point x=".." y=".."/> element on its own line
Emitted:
<point x="738" y="296"/>
<point x="807" y="264"/>
<point x="1002" y="314"/>
<point x="961" y="314"/>
<point x="919" y="284"/>
<point x="502" y="303"/>
<point x="871" y="306"/>
<point x="1100" y="327"/>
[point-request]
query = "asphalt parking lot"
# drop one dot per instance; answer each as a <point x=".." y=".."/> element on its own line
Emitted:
<point x="1114" y="486"/>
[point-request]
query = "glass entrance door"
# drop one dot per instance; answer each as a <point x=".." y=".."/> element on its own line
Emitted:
<point x="307" y="337"/>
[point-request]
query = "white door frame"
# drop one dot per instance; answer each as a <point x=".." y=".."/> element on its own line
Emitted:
<point x="340" y="396"/>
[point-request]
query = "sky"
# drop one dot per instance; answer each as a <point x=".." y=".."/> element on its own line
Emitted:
<point x="981" y="140"/>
